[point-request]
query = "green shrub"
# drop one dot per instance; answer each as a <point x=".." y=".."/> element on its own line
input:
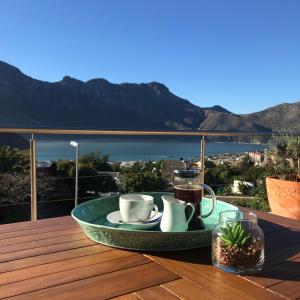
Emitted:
<point x="284" y="155"/>
<point x="255" y="203"/>
<point x="142" y="182"/>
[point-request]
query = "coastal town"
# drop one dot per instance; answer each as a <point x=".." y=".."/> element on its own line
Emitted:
<point x="231" y="158"/>
<point x="117" y="170"/>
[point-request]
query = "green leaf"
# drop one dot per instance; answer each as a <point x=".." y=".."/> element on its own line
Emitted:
<point x="236" y="231"/>
<point x="245" y="239"/>
<point x="234" y="234"/>
<point x="227" y="241"/>
<point x="230" y="228"/>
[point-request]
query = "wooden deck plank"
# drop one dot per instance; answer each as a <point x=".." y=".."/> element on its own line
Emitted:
<point x="276" y="220"/>
<point x="276" y="274"/>
<point x="289" y="288"/>
<point x="195" y="266"/>
<point x="20" y="226"/>
<point x="155" y="292"/>
<point x="109" y="285"/>
<point x="33" y="231"/>
<point x="109" y="263"/>
<point x="282" y="255"/>
<point x="71" y="236"/>
<point x="51" y="257"/>
<point x="287" y="238"/>
<point x="188" y="291"/>
<point x="268" y="226"/>
<point x="62" y="265"/>
<point x="12" y="256"/>
<point x="131" y="296"/>
<point x="38" y="237"/>
<point x="267" y="229"/>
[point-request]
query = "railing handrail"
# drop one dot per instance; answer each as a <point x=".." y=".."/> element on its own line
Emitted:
<point x="131" y="132"/>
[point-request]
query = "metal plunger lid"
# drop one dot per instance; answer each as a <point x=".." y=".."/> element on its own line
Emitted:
<point x="191" y="173"/>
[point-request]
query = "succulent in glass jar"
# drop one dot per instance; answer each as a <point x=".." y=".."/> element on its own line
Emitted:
<point x="238" y="243"/>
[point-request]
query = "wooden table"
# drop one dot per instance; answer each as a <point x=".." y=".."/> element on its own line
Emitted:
<point x="53" y="259"/>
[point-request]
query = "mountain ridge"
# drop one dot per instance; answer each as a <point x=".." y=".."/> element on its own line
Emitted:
<point x="100" y="104"/>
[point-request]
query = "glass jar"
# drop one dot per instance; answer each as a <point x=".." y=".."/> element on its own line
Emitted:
<point x="238" y="243"/>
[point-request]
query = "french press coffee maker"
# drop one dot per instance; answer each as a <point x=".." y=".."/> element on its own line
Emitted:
<point x="187" y="187"/>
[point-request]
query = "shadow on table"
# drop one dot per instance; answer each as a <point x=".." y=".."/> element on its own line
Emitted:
<point x="281" y="245"/>
<point x="282" y="252"/>
<point x="197" y="256"/>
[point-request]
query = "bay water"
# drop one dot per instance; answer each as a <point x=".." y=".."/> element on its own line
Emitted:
<point x="139" y="150"/>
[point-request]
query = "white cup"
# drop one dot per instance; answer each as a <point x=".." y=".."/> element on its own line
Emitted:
<point x="137" y="207"/>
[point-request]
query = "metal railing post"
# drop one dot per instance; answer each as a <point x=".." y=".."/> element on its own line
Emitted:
<point x="202" y="160"/>
<point x="76" y="175"/>
<point x="33" y="178"/>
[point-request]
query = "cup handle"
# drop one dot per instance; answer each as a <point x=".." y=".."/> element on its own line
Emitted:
<point x="213" y="198"/>
<point x="193" y="211"/>
<point x="155" y="211"/>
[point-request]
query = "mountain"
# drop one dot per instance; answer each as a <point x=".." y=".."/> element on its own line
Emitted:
<point x="14" y="140"/>
<point x="286" y="115"/>
<point x="223" y="120"/>
<point x="92" y="104"/>
<point x="217" y="108"/>
<point x="100" y="104"/>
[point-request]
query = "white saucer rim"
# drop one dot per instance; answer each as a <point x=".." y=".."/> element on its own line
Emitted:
<point x="153" y="221"/>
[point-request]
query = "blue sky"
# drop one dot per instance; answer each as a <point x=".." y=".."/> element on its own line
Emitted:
<point x="243" y="55"/>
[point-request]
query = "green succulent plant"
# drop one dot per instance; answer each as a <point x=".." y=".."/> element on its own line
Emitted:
<point x="234" y="235"/>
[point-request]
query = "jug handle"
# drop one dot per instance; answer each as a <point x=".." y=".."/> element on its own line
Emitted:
<point x="213" y="198"/>
<point x="193" y="211"/>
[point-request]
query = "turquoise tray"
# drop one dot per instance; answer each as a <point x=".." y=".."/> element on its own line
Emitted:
<point x="91" y="216"/>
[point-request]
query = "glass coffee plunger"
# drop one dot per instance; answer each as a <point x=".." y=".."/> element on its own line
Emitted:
<point x="187" y="187"/>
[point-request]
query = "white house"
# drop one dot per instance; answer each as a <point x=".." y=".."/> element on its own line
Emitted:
<point x="236" y="186"/>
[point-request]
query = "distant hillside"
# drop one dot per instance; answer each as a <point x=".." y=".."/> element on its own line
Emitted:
<point x="99" y="104"/>
<point x="13" y="140"/>
<point x="286" y="115"/>
<point x="227" y="121"/>
<point x="92" y="104"/>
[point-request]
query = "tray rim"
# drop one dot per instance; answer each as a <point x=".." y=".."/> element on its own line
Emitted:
<point x="233" y="207"/>
<point x="149" y="249"/>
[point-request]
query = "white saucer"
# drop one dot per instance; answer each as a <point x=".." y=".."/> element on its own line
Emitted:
<point x="115" y="218"/>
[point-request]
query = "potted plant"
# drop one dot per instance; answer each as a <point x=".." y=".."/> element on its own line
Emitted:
<point x="283" y="187"/>
<point x="238" y="243"/>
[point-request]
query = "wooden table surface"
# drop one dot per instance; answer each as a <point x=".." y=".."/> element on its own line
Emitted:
<point x="53" y="259"/>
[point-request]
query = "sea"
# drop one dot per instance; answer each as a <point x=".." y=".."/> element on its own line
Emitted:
<point x="139" y="150"/>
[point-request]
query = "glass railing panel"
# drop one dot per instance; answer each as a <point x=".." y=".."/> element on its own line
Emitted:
<point x="15" y="182"/>
<point x="122" y="164"/>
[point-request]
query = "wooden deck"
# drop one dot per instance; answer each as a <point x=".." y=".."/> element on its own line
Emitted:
<point x="53" y="259"/>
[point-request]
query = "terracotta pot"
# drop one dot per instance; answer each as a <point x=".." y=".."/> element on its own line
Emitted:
<point x="284" y="197"/>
